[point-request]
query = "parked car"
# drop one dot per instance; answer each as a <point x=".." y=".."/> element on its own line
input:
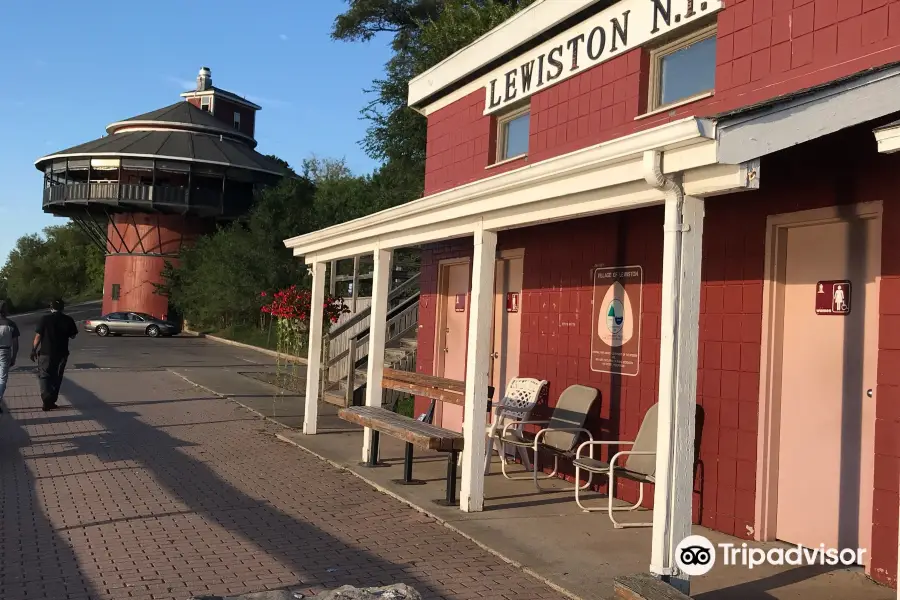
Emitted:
<point x="121" y="323"/>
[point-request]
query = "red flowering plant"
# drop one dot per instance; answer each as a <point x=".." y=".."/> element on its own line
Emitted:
<point x="290" y="307"/>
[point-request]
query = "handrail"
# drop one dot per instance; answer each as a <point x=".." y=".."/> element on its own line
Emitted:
<point x="394" y="312"/>
<point x="368" y="310"/>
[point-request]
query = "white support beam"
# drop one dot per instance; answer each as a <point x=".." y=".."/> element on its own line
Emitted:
<point x="677" y="382"/>
<point x="481" y="307"/>
<point x="381" y="283"/>
<point x="314" y="352"/>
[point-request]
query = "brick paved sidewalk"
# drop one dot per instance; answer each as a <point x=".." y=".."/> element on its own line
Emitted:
<point x="145" y="488"/>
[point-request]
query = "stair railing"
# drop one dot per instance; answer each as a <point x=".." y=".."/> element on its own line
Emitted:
<point x="336" y="350"/>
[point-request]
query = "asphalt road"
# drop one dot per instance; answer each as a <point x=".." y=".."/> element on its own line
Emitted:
<point x="89" y="351"/>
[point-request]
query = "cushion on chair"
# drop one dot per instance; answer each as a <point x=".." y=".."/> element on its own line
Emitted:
<point x="570" y="411"/>
<point x="644" y="442"/>
<point x="592" y="465"/>
<point x="515" y="438"/>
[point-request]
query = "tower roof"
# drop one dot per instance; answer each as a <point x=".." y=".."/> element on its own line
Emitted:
<point x="182" y="116"/>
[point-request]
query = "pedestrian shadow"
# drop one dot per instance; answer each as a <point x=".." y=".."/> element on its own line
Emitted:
<point x="320" y="545"/>
<point x="38" y="563"/>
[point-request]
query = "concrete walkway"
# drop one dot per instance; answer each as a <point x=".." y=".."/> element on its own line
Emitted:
<point x="545" y="533"/>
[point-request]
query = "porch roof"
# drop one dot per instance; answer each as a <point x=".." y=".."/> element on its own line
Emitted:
<point x="602" y="178"/>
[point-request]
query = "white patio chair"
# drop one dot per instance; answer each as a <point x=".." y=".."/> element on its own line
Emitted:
<point x="519" y="399"/>
<point x="562" y="431"/>
<point x="639" y="465"/>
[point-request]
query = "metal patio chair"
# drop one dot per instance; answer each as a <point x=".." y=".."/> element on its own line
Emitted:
<point x="560" y="434"/>
<point x="639" y="465"/>
<point x="519" y="399"/>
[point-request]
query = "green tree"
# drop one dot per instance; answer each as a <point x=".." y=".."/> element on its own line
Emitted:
<point x="425" y="33"/>
<point x="63" y="262"/>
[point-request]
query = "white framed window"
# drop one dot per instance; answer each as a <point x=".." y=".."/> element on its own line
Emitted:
<point x="512" y="134"/>
<point x="206" y="103"/>
<point x="237" y="120"/>
<point x="683" y="68"/>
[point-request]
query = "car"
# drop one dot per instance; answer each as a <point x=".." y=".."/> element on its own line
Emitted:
<point x="134" y="323"/>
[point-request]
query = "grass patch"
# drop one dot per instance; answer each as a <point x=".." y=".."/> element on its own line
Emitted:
<point x="253" y="336"/>
<point x="406" y="406"/>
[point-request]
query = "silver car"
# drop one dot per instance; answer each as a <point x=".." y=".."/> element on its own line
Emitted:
<point x="129" y="323"/>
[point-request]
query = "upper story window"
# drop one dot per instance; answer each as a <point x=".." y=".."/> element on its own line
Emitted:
<point x="237" y="120"/>
<point x="512" y="134"/>
<point x="206" y="103"/>
<point x="683" y="69"/>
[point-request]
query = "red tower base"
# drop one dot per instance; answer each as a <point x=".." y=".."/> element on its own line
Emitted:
<point x="138" y="247"/>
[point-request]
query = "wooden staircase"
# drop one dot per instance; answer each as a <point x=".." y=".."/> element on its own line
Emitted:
<point x="345" y="348"/>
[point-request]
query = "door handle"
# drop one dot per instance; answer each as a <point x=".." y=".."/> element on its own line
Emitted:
<point x="495" y="355"/>
<point x="446" y="349"/>
<point x="869" y="392"/>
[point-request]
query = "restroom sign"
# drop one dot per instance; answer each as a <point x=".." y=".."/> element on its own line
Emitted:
<point x="833" y="297"/>
<point x="460" y="304"/>
<point x="512" y="302"/>
<point x="616" y="320"/>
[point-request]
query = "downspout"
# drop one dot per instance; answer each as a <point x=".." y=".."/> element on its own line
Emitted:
<point x="663" y="546"/>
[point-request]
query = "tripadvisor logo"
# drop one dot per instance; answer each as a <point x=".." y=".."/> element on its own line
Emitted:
<point x="696" y="555"/>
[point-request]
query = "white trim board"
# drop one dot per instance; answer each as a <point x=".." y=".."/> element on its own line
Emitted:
<point x="888" y="139"/>
<point x="520" y="28"/>
<point x="603" y="178"/>
<point x="748" y="136"/>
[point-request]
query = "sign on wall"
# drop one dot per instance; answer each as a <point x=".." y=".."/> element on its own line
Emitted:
<point x="833" y="297"/>
<point x="623" y="26"/>
<point x="512" y="302"/>
<point x="460" y="303"/>
<point x="616" y="320"/>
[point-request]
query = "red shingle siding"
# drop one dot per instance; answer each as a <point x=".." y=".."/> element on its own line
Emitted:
<point x="556" y="321"/>
<point x="765" y="48"/>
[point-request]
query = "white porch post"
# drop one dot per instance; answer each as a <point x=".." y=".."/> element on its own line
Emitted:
<point x="677" y="381"/>
<point x="471" y="496"/>
<point x="314" y="352"/>
<point x="381" y="283"/>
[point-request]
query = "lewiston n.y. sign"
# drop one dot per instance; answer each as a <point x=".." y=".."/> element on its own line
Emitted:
<point x="619" y="28"/>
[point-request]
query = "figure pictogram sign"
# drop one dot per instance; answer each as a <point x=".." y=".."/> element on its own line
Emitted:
<point x="833" y="297"/>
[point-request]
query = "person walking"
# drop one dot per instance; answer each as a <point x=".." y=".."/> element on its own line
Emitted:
<point x="9" y="348"/>
<point x="51" y="351"/>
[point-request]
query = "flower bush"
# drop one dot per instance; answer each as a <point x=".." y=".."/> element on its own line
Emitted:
<point x="291" y="310"/>
<point x="293" y="303"/>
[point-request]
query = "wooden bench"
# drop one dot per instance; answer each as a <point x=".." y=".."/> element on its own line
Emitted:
<point x="415" y="432"/>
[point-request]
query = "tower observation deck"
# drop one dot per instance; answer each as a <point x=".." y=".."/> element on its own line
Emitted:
<point x="155" y="183"/>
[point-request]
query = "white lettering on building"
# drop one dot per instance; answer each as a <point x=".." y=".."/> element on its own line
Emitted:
<point x="621" y="27"/>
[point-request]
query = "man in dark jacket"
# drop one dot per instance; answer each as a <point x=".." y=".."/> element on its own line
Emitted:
<point x="51" y="350"/>
<point x="9" y="347"/>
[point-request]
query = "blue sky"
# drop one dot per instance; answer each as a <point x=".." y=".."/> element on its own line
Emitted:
<point x="70" y="68"/>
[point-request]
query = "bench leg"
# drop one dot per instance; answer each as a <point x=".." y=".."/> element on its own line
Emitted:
<point x="450" y="499"/>
<point x="407" y="469"/>
<point x="373" y="452"/>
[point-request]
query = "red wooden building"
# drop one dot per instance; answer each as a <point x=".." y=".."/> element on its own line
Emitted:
<point x="729" y="163"/>
<point x="155" y="183"/>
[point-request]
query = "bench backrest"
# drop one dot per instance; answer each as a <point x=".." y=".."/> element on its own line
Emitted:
<point x="570" y="411"/>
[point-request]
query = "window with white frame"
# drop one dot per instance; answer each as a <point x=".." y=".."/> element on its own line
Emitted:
<point x="206" y="103"/>
<point x="512" y="134"/>
<point x="237" y="120"/>
<point x="683" y="69"/>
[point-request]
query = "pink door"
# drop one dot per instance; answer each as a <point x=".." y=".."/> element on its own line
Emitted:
<point x="452" y="327"/>
<point x="507" y="323"/>
<point x="827" y="367"/>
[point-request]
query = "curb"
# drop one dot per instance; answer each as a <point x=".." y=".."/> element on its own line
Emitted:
<point x="227" y="342"/>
